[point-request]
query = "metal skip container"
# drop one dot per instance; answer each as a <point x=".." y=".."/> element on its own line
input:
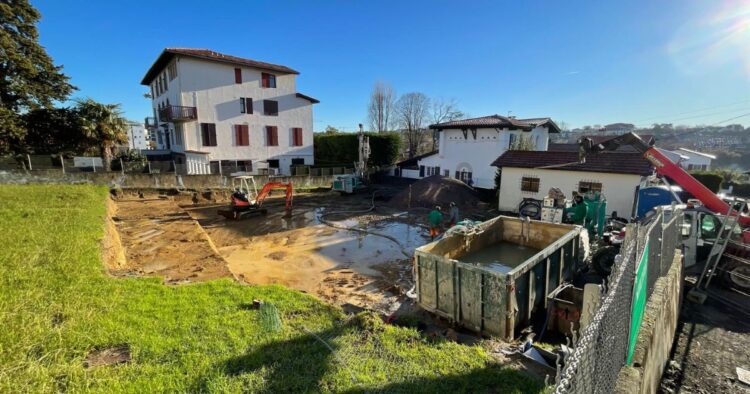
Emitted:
<point x="490" y="294"/>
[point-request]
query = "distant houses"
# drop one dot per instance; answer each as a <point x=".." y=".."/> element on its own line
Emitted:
<point x="214" y="111"/>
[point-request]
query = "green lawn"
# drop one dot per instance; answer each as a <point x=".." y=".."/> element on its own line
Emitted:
<point x="57" y="304"/>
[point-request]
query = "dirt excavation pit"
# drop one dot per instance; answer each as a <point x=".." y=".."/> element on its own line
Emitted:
<point x="355" y="257"/>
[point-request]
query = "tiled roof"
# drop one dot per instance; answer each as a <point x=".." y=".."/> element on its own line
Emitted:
<point x="611" y="162"/>
<point x="598" y="139"/>
<point x="413" y="161"/>
<point x="498" y="121"/>
<point x="207" y="54"/>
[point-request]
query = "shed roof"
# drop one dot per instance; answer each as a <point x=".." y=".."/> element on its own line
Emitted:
<point x="610" y="162"/>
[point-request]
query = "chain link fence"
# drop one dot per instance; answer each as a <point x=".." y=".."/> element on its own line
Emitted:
<point x="604" y="346"/>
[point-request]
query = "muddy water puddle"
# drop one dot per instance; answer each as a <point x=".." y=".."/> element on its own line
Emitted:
<point x="330" y="261"/>
<point x="502" y="257"/>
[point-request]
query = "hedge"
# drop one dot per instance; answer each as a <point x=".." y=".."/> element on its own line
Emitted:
<point x="741" y="190"/>
<point x="342" y="149"/>
<point x="709" y="179"/>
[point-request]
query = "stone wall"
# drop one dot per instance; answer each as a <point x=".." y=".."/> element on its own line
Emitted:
<point x="657" y="334"/>
<point x="159" y="181"/>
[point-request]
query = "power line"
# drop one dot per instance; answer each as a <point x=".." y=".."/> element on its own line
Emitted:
<point x="700" y="116"/>
<point x="694" y="111"/>
<point x="727" y="120"/>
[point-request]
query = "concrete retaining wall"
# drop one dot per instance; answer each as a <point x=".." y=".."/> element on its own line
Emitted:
<point x="656" y="335"/>
<point x="145" y="181"/>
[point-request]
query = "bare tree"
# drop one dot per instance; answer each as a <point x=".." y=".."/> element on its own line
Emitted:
<point x="443" y="111"/>
<point x="412" y="112"/>
<point x="381" y="107"/>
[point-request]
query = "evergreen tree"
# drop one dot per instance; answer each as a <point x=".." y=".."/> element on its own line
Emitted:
<point x="28" y="78"/>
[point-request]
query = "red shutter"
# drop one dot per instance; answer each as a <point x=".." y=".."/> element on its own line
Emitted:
<point x="264" y="80"/>
<point x="242" y="136"/>
<point x="297" y="136"/>
<point x="272" y="135"/>
<point x="237" y="75"/>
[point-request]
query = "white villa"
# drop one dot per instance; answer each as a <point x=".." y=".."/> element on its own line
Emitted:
<point x="212" y="110"/>
<point x="468" y="147"/>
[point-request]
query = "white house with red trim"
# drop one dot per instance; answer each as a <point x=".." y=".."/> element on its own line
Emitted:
<point x="468" y="147"/>
<point x="214" y="111"/>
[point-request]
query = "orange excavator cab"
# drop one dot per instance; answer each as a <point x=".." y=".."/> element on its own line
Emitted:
<point x="247" y="201"/>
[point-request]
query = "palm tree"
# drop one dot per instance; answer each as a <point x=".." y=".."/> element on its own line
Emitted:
<point x="730" y="176"/>
<point x="104" y="126"/>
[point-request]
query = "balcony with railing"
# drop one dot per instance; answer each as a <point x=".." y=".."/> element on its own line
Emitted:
<point x="176" y="113"/>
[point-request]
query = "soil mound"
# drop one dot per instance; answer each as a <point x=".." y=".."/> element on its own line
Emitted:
<point x="435" y="190"/>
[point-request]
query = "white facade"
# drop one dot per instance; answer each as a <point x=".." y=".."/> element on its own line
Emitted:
<point x="690" y="159"/>
<point x="461" y="153"/>
<point x="619" y="189"/>
<point x="138" y="136"/>
<point x="210" y="87"/>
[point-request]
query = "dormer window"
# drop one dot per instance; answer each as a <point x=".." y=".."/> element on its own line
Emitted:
<point x="268" y="80"/>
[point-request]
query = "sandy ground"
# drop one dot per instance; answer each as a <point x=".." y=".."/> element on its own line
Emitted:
<point x="161" y="239"/>
<point x="185" y="240"/>
<point x="712" y="340"/>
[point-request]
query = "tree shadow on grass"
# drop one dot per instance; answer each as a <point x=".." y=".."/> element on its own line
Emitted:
<point x="491" y="379"/>
<point x="293" y="365"/>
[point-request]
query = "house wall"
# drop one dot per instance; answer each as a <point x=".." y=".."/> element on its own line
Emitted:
<point x="693" y="161"/>
<point x="211" y="88"/>
<point x="619" y="189"/>
<point x="476" y="155"/>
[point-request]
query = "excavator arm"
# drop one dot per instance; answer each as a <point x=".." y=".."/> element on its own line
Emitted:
<point x="266" y="190"/>
<point x="664" y="166"/>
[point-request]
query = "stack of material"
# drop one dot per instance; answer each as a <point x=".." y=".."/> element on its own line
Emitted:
<point x="435" y="190"/>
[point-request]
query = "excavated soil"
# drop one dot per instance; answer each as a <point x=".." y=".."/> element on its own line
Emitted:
<point x="160" y="239"/>
<point x="435" y="190"/>
<point x="312" y="251"/>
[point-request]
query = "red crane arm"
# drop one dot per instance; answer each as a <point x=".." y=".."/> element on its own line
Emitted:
<point x="276" y="185"/>
<point x="664" y="166"/>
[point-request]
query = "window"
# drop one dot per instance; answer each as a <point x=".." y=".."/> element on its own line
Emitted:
<point x="241" y="135"/>
<point x="237" y="75"/>
<point x="164" y="82"/>
<point x="511" y="140"/>
<point x="530" y="184"/>
<point x="246" y="105"/>
<point x="272" y="136"/>
<point x="245" y="165"/>
<point x="172" y="70"/>
<point x="274" y="163"/>
<point x="270" y="107"/>
<point x="296" y="136"/>
<point x="208" y="134"/>
<point x="268" y="80"/>
<point x="298" y="162"/>
<point x="447" y="173"/>
<point x="588" y="186"/>
<point x="430" y="171"/>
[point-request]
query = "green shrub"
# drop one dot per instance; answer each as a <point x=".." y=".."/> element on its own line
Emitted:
<point x="741" y="190"/>
<point x="332" y="150"/>
<point x="711" y="180"/>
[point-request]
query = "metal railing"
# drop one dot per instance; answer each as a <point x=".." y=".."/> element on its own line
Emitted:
<point x="176" y="113"/>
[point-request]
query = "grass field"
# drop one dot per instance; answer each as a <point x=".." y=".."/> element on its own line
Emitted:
<point x="57" y="304"/>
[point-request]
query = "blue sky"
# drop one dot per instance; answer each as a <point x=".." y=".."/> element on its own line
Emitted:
<point x="581" y="62"/>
